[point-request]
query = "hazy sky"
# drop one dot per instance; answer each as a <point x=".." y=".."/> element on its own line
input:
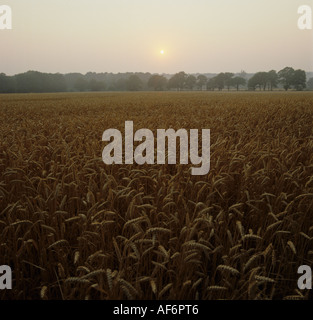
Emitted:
<point x="128" y="35"/>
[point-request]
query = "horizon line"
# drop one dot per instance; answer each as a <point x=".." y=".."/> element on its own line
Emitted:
<point x="122" y="72"/>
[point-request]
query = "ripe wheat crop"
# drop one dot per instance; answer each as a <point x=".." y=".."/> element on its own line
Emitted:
<point x="72" y="227"/>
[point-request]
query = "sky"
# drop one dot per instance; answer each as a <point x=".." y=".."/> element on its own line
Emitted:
<point x="198" y="36"/>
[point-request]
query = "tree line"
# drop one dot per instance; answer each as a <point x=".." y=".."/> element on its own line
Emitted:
<point x="287" y="78"/>
<point x="34" y="81"/>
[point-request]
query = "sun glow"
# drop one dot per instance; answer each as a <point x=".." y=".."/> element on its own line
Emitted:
<point x="162" y="51"/>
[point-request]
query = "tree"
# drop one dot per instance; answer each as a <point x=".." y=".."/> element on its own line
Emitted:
<point x="30" y="81"/>
<point x="238" y="81"/>
<point x="211" y="84"/>
<point x="121" y="84"/>
<point x="7" y="84"/>
<point x="299" y="79"/>
<point x="81" y="84"/>
<point x="191" y="81"/>
<point x="34" y="81"/>
<point x="157" y="82"/>
<point x="290" y="77"/>
<point x="57" y="83"/>
<point x="228" y="81"/>
<point x="178" y="80"/>
<point x="134" y="83"/>
<point x="95" y="85"/>
<point x="253" y="82"/>
<point x="201" y="81"/>
<point x="286" y="76"/>
<point x="219" y="81"/>
<point x="263" y="79"/>
<point x="258" y="80"/>
<point x="310" y="84"/>
<point x="272" y="79"/>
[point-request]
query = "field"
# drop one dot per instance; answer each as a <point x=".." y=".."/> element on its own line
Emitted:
<point x="72" y="227"/>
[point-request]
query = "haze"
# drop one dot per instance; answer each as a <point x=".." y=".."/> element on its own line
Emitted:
<point x="128" y="36"/>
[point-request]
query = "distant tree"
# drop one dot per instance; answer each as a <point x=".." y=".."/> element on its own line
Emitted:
<point x="30" y="81"/>
<point x="290" y="77"/>
<point x="121" y="84"/>
<point x="3" y="83"/>
<point x="157" y="82"/>
<point x="211" y="84"/>
<point x="7" y="84"/>
<point x="263" y="76"/>
<point x="299" y="79"/>
<point x="228" y="80"/>
<point x="272" y="79"/>
<point x="81" y="84"/>
<point x="70" y="80"/>
<point x="219" y="81"/>
<point x="310" y="84"/>
<point x="191" y="81"/>
<point x="178" y="80"/>
<point x="134" y="83"/>
<point x="58" y="83"/>
<point x="34" y="81"/>
<point x="259" y="80"/>
<point x="201" y="81"/>
<point x="95" y="85"/>
<point x="253" y="83"/>
<point x="286" y="77"/>
<point x="238" y="81"/>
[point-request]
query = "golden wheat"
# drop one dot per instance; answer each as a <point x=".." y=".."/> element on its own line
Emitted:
<point x="74" y="228"/>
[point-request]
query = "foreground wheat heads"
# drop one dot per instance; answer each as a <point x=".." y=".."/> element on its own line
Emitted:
<point x="72" y="227"/>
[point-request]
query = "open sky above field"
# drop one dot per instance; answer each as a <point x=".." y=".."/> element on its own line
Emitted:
<point x="123" y="35"/>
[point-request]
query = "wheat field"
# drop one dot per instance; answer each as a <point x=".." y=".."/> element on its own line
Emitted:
<point x="72" y="227"/>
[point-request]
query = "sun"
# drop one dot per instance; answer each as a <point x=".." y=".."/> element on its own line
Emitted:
<point x="162" y="51"/>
